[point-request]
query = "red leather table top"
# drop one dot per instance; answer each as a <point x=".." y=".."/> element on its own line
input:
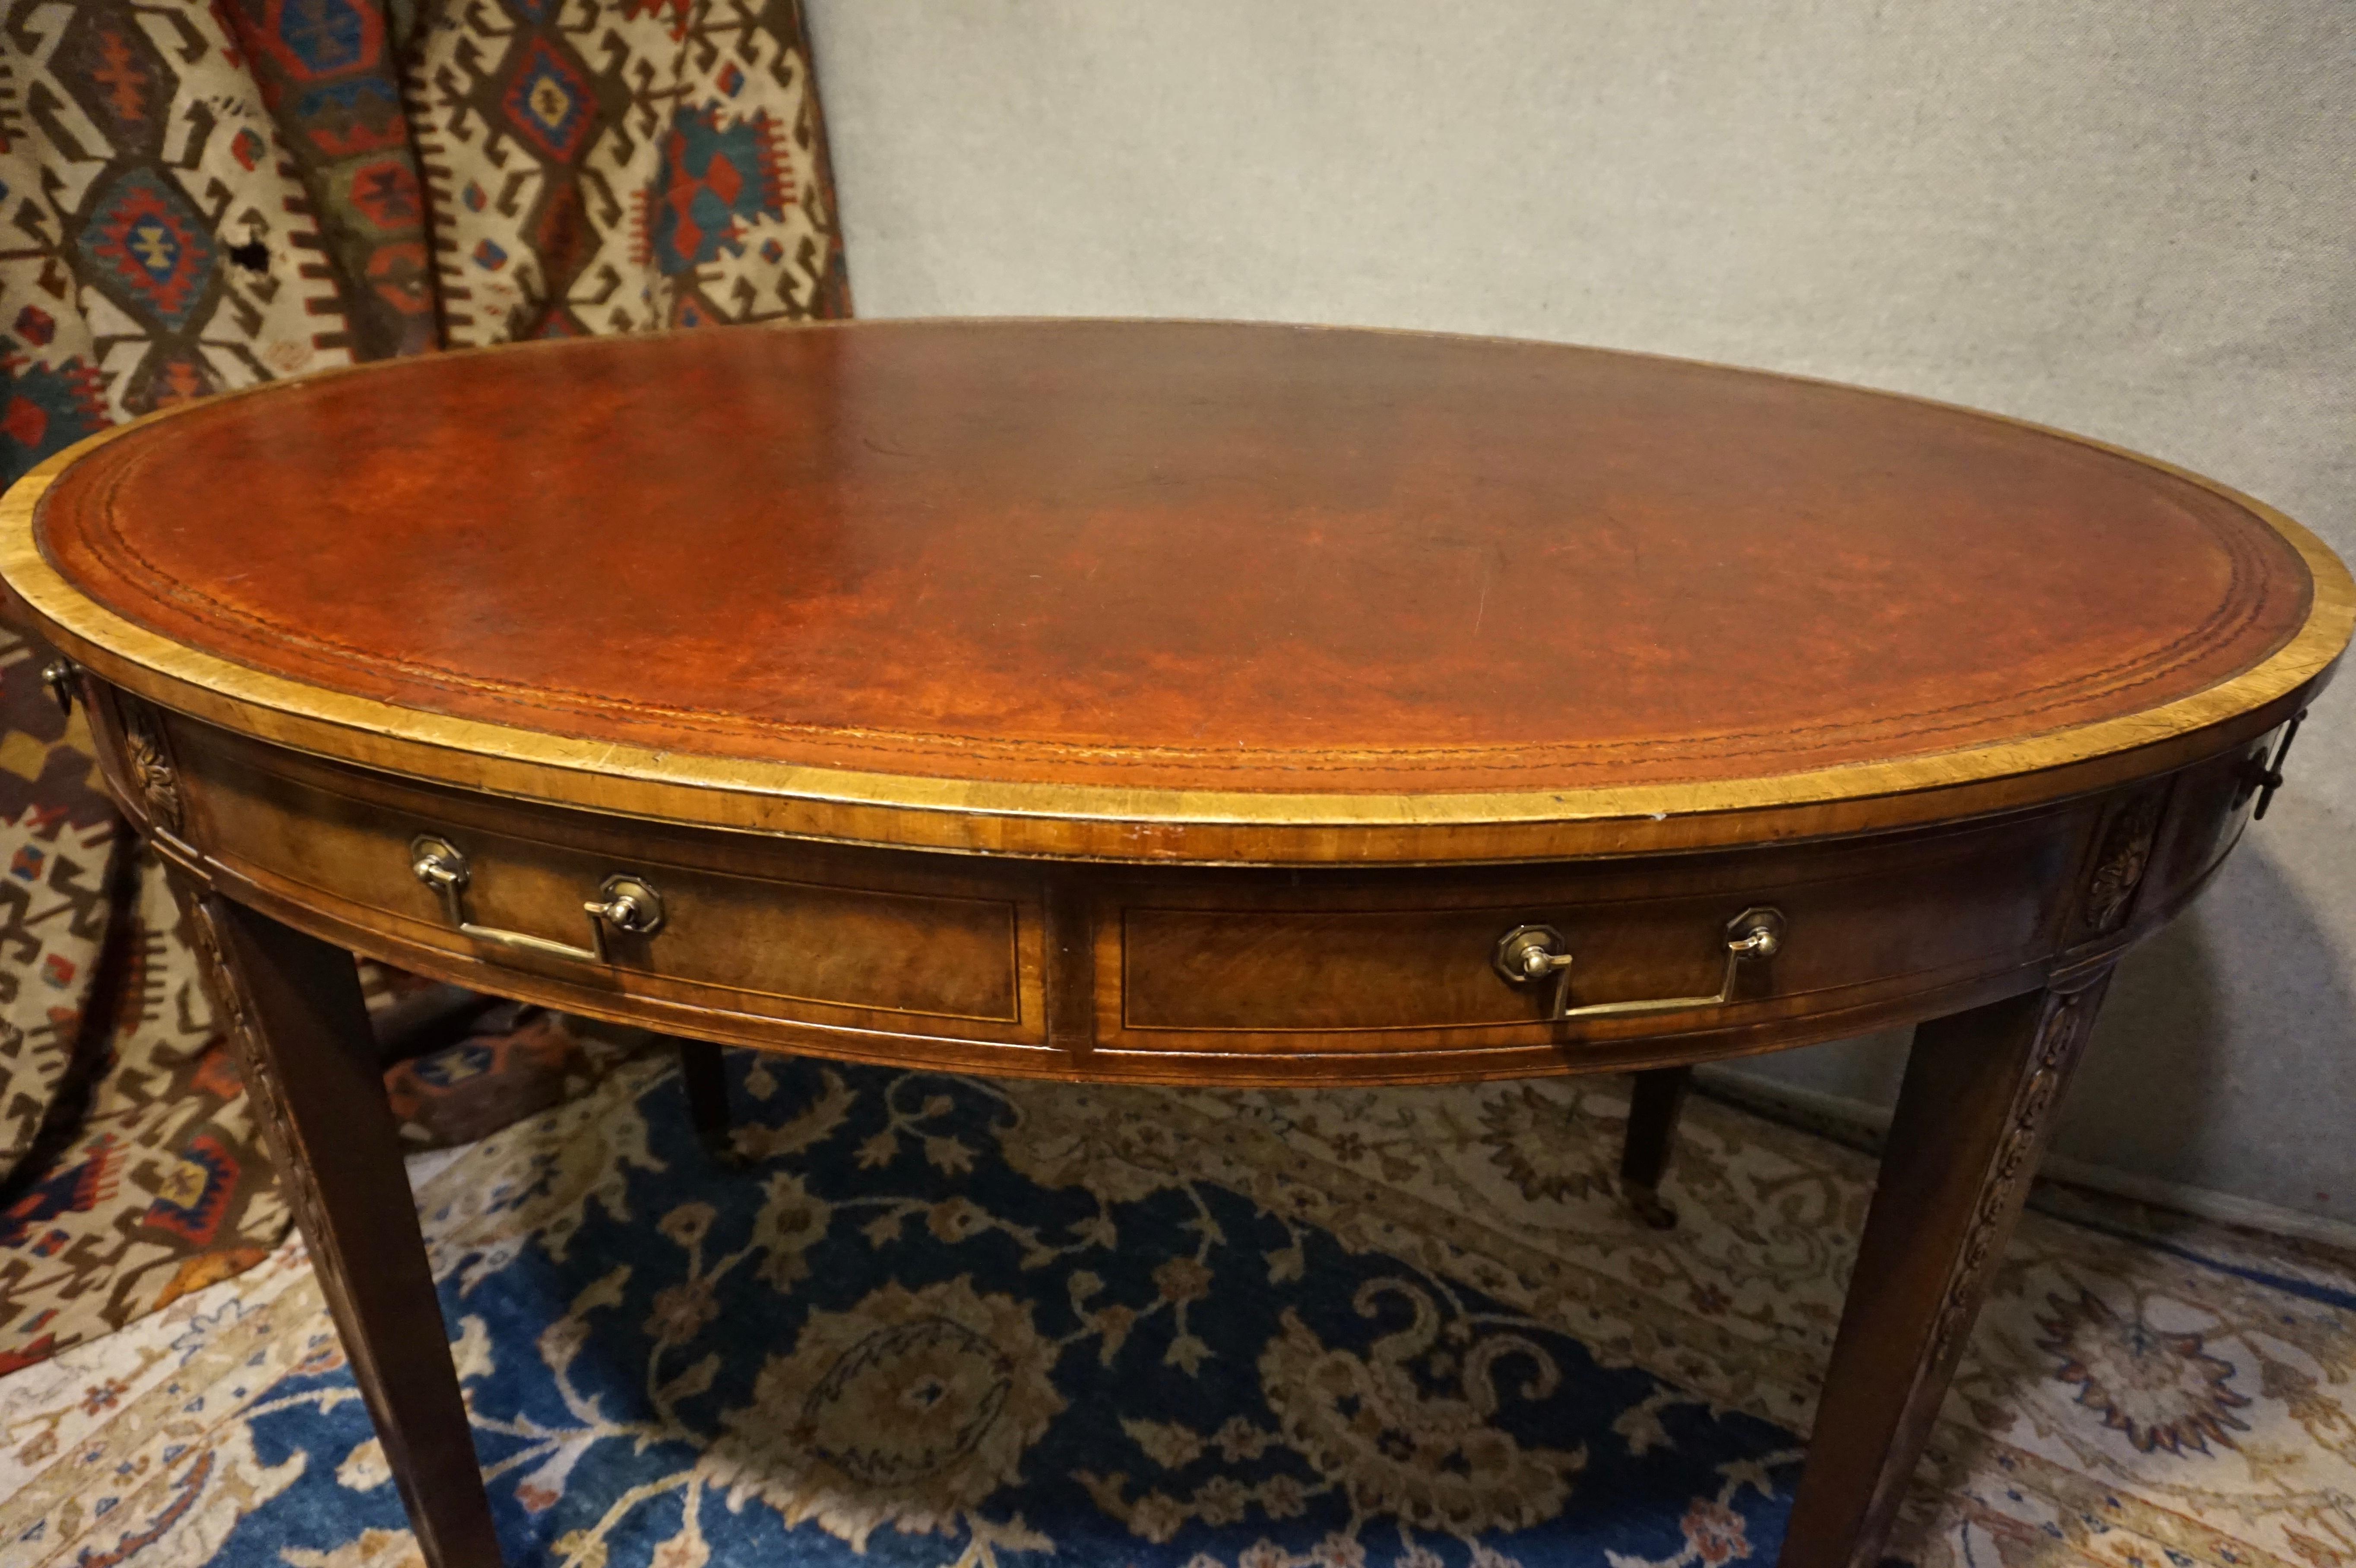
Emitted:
<point x="1229" y="557"/>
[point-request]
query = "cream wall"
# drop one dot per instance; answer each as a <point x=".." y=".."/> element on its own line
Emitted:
<point x="2130" y="219"/>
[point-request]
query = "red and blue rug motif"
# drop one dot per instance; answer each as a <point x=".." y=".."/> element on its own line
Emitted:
<point x="43" y="408"/>
<point x="142" y="242"/>
<point x="718" y="173"/>
<point x="326" y="68"/>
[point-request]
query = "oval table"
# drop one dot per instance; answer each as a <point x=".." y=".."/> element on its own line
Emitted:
<point x="1174" y="703"/>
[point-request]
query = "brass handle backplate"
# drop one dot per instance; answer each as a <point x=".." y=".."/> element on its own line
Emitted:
<point x="627" y="903"/>
<point x="1531" y="955"/>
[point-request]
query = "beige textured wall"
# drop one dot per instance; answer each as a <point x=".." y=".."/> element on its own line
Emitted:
<point x="2130" y="219"/>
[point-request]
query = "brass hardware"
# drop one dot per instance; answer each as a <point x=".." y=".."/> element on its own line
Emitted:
<point x="60" y="677"/>
<point x="1529" y="954"/>
<point x="626" y="904"/>
<point x="2269" y="777"/>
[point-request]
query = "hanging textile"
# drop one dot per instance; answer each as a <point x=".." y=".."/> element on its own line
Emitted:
<point x="617" y="167"/>
<point x="198" y="194"/>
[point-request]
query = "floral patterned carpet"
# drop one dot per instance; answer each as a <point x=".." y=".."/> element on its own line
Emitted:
<point x="945" y="1320"/>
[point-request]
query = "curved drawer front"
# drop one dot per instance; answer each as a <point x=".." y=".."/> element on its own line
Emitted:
<point x="1408" y="973"/>
<point x="844" y="939"/>
<point x="1629" y="950"/>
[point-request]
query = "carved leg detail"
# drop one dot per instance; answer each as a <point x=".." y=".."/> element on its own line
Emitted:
<point x="291" y="1006"/>
<point x="1657" y="1101"/>
<point x="704" y="1071"/>
<point x="1980" y="1092"/>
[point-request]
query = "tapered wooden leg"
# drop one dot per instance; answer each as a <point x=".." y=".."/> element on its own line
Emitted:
<point x="291" y="1006"/>
<point x="704" y="1071"/>
<point x="1653" y="1106"/>
<point x="1978" y="1101"/>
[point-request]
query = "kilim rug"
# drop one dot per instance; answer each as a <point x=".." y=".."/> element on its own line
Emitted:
<point x="595" y="167"/>
<point x="198" y="194"/>
<point x="943" y="1320"/>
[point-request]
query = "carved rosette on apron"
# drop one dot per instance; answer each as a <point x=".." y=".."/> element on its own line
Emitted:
<point x="2119" y="866"/>
<point x="151" y="765"/>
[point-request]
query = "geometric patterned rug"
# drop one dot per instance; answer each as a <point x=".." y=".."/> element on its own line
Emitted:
<point x="949" y="1320"/>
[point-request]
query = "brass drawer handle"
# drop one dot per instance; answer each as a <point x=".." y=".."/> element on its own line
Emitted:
<point x="60" y="677"/>
<point x="1529" y="954"/>
<point x="2268" y="779"/>
<point x="628" y="904"/>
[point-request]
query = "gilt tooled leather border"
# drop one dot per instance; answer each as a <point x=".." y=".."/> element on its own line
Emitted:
<point x="127" y="583"/>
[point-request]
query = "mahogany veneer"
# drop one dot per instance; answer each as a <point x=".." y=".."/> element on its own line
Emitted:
<point x="1183" y="702"/>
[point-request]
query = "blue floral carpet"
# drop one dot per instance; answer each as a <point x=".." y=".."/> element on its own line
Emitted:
<point x="942" y="1320"/>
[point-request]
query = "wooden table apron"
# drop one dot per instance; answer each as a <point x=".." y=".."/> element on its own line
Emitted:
<point x="1160" y="935"/>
